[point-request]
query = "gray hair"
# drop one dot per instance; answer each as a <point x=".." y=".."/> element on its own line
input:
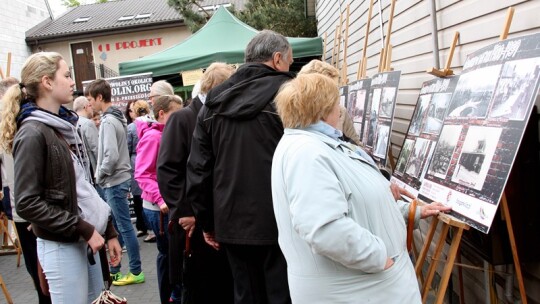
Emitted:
<point x="263" y="46"/>
<point x="79" y="103"/>
<point x="162" y="87"/>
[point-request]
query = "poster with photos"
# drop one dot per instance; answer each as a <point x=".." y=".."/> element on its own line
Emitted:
<point x="379" y="115"/>
<point x="424" y="129"/>
<point x="356" y="103"/>
<point x="483" y="129"/>
<point x="343" y="96"/>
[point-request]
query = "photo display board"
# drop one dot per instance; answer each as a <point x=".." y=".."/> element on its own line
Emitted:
<point x="356" y="103"/>
<point x="424" y="129"/>
<point x="379" y="115"/>
<point x="483" y="128"/>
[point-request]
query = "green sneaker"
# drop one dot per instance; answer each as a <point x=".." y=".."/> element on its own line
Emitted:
<point x="129" y="279"/>
<point x="116" y="276"/>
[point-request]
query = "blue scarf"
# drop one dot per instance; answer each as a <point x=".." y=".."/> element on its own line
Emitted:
<point x="28" y="107"/>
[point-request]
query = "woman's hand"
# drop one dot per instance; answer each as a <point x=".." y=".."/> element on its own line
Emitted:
<point x="115" y="251"/>
<point x="389" y="263"/>
<point x="164" y="209"/>
<point x="397" y="192"/>
<point x="433" y="209"/>
<point x="96" y="241"/>
<point x="188" y="224"/>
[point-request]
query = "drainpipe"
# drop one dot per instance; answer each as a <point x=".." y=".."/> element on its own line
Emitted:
<point x="434" y="33"/>
<point x="381" y="25"/>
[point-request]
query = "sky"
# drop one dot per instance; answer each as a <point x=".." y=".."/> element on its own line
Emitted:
<point x="58" y="8"/>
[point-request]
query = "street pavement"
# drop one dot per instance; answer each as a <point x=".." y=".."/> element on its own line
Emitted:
<point x="20" y="286"/>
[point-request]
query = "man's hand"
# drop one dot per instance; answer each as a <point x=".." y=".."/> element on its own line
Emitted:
<point x="188" y="224"/>
<point x="115" y="251"/>
<point x="210" y="239"/>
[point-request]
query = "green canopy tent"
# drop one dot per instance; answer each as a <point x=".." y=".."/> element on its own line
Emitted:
<point x="224" y="38"/>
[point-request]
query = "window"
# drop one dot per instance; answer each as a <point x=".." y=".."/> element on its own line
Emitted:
<point x="125" y="18"/>
<point x="81" y="19"/>
<point x="143" y="16"/>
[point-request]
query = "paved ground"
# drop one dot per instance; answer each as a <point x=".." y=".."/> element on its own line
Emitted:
<point x="20" y="285"/>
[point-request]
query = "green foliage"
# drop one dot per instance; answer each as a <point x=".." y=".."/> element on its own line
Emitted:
<point x="286" y="17"/>
<point x="70" y="3"/>
<point x="75" y="3"/>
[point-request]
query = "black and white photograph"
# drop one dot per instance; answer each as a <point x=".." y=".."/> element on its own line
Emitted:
<point x="365" y="131"/>
<point x="473" y="92"/>
<point x="383" y="136"/>
<point x="351" y="102"/>
<point x="343" y="96"/>
<point x="371" y="130"/>
<point x="387" y="102"/>
<point x="514" y="90"/>
<point x="404" y="155"/>
<point x="476" y="155"/>
<point x="436" y="113"/>
<point x="358" y="110"/>
<point x="446" y="145"/>
<point x="358" y="129"/>
<point x="419" y="114"/>
<point x="417" y="157"/>
<point x="375" y="101"/>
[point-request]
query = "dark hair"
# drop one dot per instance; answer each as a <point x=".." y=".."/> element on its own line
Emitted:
<point x="99" y="87"/>
<point x="263" y="46"/>
<point x="126" y="112"/>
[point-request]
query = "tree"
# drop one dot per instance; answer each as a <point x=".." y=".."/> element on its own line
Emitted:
<point x="286" y="17"/>
<point x="192" y="19"/>
<point x="75" y="3"/>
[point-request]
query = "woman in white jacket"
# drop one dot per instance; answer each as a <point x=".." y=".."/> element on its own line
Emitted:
<point x="340" y="229"/>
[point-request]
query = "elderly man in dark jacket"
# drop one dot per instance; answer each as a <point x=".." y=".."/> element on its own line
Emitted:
<point x="229" y="170"/>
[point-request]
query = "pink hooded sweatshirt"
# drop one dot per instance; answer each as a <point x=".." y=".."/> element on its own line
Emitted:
<point x="149" y="132"/>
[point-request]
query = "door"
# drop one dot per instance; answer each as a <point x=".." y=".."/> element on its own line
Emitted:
<point x="83" y="63"/>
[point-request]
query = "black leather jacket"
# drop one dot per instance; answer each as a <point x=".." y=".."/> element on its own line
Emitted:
<point x="46" y="193"/>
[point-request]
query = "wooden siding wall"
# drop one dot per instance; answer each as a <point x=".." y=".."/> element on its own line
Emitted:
<point x="479" y="22"/>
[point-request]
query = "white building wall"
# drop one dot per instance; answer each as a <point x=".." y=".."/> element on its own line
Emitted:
<point x="17" y="17"/>
<point x="479" y="22"/>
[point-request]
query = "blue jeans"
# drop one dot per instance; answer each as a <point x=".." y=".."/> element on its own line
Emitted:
<point x="101" y="193"/>
<point x="162" y="259"/>
<point x="117" y="200"/>
<point x="71" y="278"/>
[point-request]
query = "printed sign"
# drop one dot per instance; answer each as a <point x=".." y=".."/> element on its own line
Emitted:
<point x="126" y="88"/>
<point x="483" y="128"/>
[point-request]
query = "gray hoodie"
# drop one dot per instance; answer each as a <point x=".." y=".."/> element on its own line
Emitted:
<point x="113" y="164"/>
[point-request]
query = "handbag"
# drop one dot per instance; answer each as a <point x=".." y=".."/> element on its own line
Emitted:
<point x="410" y="224"/>
<point x="106" y="296"/>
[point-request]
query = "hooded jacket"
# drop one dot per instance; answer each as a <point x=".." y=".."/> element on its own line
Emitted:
<point x="231" y="156"/>
<point x="113" y="164"/>
<point x="149" y="133"/>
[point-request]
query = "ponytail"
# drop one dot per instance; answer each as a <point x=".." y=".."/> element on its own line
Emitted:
<point x="10" y="110"/>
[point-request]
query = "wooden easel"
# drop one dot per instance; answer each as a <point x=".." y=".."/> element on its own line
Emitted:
<point x="446" y="71"/>
<point x="6" y="292"/>
<point x="362" y="64"/>
<point x="8" y="67"/>
<point x="449" y="222"/>
<point x="7" y="249"/>
<point x="343" y="79"/>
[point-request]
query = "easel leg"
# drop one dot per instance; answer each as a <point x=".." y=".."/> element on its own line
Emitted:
<point x="423" y="253"/>
<point x="447" y="273"/>
<point x="434" y="261"/>
<point x="6" y="292"/>
<point x="510" y="228"/>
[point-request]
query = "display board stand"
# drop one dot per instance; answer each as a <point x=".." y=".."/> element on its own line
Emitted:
<point x="8" y="67"/>
<point x="446" y="71"/>
<point x="362" y="64"/>
<point x="449" y="222"/>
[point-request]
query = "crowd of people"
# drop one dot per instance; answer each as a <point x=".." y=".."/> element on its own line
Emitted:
<point x="260" y="178"/>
